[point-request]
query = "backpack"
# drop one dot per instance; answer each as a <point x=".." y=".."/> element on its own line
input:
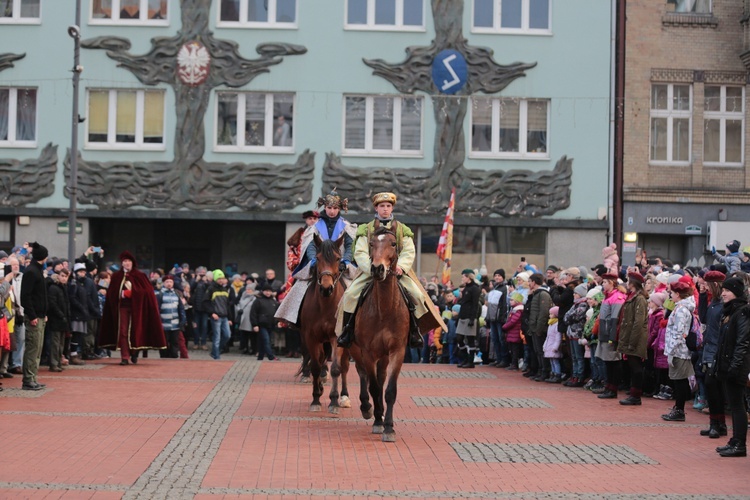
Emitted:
<point x="694" y="339"/>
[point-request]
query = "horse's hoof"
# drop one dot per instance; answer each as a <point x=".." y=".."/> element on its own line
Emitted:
<point x="345" y="402"/>
<point x="389" y="437"/>
<point x="367" y="415"/>
<point x="314" y="407"/>
<point x="333" y="410"/>
<point x="305" y="380"/>
<point x="378" y="429"/>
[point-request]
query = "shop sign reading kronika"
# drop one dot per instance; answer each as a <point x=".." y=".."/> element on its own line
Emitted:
<point x="663" y="220"/>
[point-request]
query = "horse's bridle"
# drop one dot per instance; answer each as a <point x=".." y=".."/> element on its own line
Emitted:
<point x="336" y="277"/>
<point x="388" y="231"/>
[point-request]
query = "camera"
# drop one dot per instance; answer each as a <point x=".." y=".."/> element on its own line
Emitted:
<point x="523" y="259"/>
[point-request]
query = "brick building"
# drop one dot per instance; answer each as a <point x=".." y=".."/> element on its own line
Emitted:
<point x="685" y="113"/>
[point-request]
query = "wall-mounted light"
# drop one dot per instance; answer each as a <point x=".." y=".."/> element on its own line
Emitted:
<point x="24" y="220"/>
<point x="630" y="237"/>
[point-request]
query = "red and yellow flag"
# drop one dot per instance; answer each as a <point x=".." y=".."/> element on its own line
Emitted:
<point x="445" y="245"/>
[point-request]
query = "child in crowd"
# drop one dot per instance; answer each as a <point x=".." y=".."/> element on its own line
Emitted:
<point x="590" y="339"/>
<point x="512" y="330"/>
<point x="552" y="347"/>
<point x="656" y="332"/>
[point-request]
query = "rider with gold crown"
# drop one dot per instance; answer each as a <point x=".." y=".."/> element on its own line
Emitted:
<point x="421" y="312"/>
<point x="330" y="226"/>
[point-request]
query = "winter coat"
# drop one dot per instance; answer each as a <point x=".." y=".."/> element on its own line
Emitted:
<point x="79" y="302"/>
<point x="199" y="296"/>
<point x="58" y="307"/>
<point x="609" y="316"/>
<point x="656" y="334"/>
<point x="246" y="303"/>
<point x="551" y="346"/>
<point x="512" y="327"/>
<point x="576" y="318"/>
<point x="733" y="357"/>
<point x="171" y="310"/>
<point x="262" y="312"/>
<point x="92" y="299"/>
<point x="217" y="300"/>
<point x="497" y="304"/>
<point x="591" y="329"/>
<point x="633" y="335"/>
<point x="541" y="302"/>
<point x="469" y="302"/>
<point x="731" y="260"/>
<point x="33" y="292"/>
<point x="713" y="316"/>
<point x="678" y="326"/>
<point x="562" y="297"/>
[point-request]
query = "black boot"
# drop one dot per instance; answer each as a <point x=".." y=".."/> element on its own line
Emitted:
<point x="737" y="450"/>
<point x="415" y="338"/>
<point x="346" y="338"/>
<point x="715" y="429"/>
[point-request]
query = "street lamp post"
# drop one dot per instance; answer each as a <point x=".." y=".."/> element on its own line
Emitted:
<point x="75" y="33"/>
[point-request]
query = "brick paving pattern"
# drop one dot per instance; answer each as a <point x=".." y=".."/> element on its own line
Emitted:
<point x="239" y="428"/>
<point x="480" y="402"/>
<point x="549" y="454"/>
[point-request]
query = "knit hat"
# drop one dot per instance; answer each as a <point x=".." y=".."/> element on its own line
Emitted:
<point x="609" y="250"/>
<point x="554" y="269"/>
<point x="167" y="277"/>
<point x="3" y="254"/>
<point x="517" y="297"/>
<point x="501" y="272"/>
<point x="265" y="286"/>
<point x="658" y="298"/>
<point x="524" y="276"/>
<point x="583" y="272"/>
<point x="90" y="265"/>
<point x="733" y="246"/>
<point x="218" y="274"/>
<point x="581" y="290"/>
<point x="592" y="293"/>
<point x="714" y="277"/>
<point x="663" y="278"/>
<point x="38" y="252"/>
<point x="735" y="285"/>
<point x="573" y="272"/>
<point x="469" y="273"/>
<point x="236" y="277"/>
<point x="554" y="311"/>
<point x="79" y="266"/>
<point x="673" y="278"/>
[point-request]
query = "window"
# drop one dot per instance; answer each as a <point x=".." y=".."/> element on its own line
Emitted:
<point x="125" y="119"/>
<point x="671" y="116"/>
<point x="129" y="11"/>
<point x="383" y="125"/>
<point x="512" y="16"/>
<point x="509" y="128"/>
<point x="18" y="117"/>
<point x="403" y="15"/>
<point x="20" y="11"/>
<point x="255" y="122"/>
<point x="258" y="14"/>
<point x="724" y="124"/>
<point x="692" y="6"/>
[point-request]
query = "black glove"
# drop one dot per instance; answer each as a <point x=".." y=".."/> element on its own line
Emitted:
<point x="342" y="266"/>
<point x="471" y="322"/>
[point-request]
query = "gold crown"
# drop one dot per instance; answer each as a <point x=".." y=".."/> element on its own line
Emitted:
<point x="381" y="197"/>
<point x="334" y="200"/>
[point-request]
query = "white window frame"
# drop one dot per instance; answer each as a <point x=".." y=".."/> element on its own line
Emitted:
<point x="723" y="115"/>
<point x="12" y="123"/>
<point x="270" y="24"/>
<point x="523" y="127"/>
<point x="523" y="30"/>
<point x="143" y="9"/>
<point x="368" y="150"/>
<point x="690" y="12"/>
<point x="371" y="26"/>
<point x="16" y="17"/>
<point x="268" y="125"/>
<point x="139" y="144"/>
<point x="670" y="114"/>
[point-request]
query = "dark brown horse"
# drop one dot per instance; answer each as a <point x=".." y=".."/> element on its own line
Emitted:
<point x="318" y="322"/>
<point x="381" y="333"/>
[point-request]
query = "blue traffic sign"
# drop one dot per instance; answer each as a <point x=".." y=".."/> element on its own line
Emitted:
<point x="449" y="71"/>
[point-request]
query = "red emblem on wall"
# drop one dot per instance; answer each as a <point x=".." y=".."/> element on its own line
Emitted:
<point x="193" y="64"/>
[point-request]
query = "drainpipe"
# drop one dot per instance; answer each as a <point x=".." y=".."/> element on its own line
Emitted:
<point x="617" y="188"/>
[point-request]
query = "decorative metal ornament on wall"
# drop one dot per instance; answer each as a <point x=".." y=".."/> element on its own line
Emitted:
<point x="193" y="63"/>
<point x="26" y="181"/>
<point x="482" y="192"/>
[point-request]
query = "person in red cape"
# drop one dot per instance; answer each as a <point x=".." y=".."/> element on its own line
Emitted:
<point x="131" y="320"/>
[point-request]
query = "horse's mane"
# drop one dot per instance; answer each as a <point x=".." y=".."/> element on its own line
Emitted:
<point x="382" y="230"/>
<point x="329" y="252"/>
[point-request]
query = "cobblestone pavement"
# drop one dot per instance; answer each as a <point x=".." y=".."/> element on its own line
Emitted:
<point x="239" y="428"/>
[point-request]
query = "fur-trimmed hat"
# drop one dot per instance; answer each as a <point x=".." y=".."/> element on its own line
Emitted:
<point x="382" y="197"/>
<point x="333" y="199"/>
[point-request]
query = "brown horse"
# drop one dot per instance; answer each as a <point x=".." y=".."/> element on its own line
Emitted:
<point x="381" y="333"/>
<point x="318" y="323"/>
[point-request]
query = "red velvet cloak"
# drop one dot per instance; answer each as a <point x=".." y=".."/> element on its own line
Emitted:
<point x="146" y="331"/>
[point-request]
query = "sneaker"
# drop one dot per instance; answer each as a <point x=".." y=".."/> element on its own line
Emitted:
<point x="699" y="404"/>
<point x="570" y="382"/>
<point x="33" y="386"/>
<point x="598" y="389"/>
<point x="674" y="415"/>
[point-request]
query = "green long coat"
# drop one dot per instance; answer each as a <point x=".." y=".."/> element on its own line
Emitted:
<point x="633" y="327"/>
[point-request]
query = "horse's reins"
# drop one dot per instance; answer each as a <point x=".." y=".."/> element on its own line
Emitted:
<point x="388" y="231"/>
<point x="336" y="277"/>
